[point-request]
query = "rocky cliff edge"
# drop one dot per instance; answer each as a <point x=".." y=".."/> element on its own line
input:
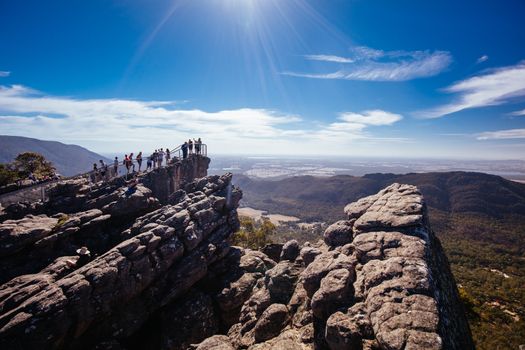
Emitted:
<point x="165" y="277"/>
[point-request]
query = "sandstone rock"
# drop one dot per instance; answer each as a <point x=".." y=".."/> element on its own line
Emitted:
<point x="334" y="292"/>
<point x="289" y="340"/>
<point x="126" y="284"/>
<point x="273" y="251"/>
<point x="290" y="250"/>
<point x="216" y="342"/>
<point x="341" y="333"/>
<point x="138" y="203"/>
<point x="339" y="233"/>
<point x="272" y="321"/>
<point x="169" y="278"/>
<point x="17" y="234"/>
<point x="381" y="245"/>
<point x="321" y="266"/>
<point x="348" y="330"/>
<point x="237" y="293"/>
<point x="189" y="321"/>
<point x="280" y="281"/>
<point x="253" y="309"/>
<point x="397" y="206"/>
<point x="255" y="261"/>
<point x="308" y="254"/>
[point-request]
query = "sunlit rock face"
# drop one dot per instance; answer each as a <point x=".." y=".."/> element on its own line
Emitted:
<point x="161" y="274"/>
<point x="379" y="280"/>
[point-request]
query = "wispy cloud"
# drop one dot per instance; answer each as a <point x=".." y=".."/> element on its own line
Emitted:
<point x="328" y="58"/>
<point x="4" y="73"/>
<point x="502" y="134"/>
<point x="370" y="64"/>
<point x="104" y="122"/>
<point x="373" y="117"/>
<point x="354" y="125"/>
<point x="518" y="113"/>
<point x="494" y="87"/>
<point x="482" y="59"/>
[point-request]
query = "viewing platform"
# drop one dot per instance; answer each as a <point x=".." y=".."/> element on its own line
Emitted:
<point x="162" y="180"/>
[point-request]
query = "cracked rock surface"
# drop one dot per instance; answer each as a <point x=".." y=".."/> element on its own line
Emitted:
<point x="379" y="280"/>
<point x="161" y="274"/>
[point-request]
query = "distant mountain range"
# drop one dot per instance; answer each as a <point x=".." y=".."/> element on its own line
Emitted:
<point x="68" y="159"/>
<point x="453" y="192"/>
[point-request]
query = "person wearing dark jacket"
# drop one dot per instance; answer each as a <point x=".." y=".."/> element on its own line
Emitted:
<point x="184" y="149"/>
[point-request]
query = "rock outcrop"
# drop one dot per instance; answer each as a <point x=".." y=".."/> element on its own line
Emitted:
<point x="155" y="269"/>
<point x="379" y="280"/>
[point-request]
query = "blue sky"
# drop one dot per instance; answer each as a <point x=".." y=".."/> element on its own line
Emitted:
<point x="439" y="79"/>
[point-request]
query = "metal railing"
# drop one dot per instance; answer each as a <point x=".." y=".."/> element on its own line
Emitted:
<point x="197" y="149"/>
<point x="38" y="191"/>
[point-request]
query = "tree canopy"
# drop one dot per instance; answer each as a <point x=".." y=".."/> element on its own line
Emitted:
<point x="23" y="165"/>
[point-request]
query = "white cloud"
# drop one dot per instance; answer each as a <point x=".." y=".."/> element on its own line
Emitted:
<point x="366" y="52"/>
<point x="373" y="117"/>
<point x="329" y="58"/>
<point x="492" y="88"/>
<point x="377" y="65"/>
<point x="502" y="134"/>
<point x="482" y="59"/>
<point x="518" y="113"/>
<point x="353" y="126"/>
<point x="4" y="73"/>
<point x="117" y="124"/>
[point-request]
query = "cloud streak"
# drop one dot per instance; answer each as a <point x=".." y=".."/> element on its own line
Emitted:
<point x="518" y="113"/>
<point x="494" y="87"/>
<point x="482" y="59"/>
<point x="4" y="73"/>
<point x="328" y="58"/>
<point x="369" y="64"/>
<point x="502" y="134"/>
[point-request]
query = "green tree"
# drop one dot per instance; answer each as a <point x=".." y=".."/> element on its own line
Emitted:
<point x="31" y="162"/>
<point x="7" y="174"/>
<point x="253" y="234"/>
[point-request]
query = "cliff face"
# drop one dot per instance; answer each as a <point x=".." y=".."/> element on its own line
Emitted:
<point x="161" y="274"/>
<point x="380" y="280"/>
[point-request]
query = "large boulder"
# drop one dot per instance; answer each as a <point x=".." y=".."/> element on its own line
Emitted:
<point x="272" y="321"/>
<point x="15" y="235"/>
<point x="339" y="233"/>
<point x="280" y="281"/>
<point x="334" y="292"/>
<point x="290" y="250"/>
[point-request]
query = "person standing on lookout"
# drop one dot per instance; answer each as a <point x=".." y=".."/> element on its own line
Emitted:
<point x="95" y="173"/>
<point x="103" y="169"/>
<point x="139" y="159"/>
<point x="198" y="144"/>
<point x="184" y="149"/>
<point x="131" y="162"/>
<point x="126" y="164"/>
<point x="190" y="146"/>
<point x="168" y="156"/>
<point x="161" y="157"/>
<point x="115" y="167"/>
<point x="149" y="163"/>
<point x="154" y="157"/>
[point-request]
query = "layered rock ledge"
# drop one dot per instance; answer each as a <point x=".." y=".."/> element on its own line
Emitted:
<point x="380" y="280"/>
<point x="166" y="277"/>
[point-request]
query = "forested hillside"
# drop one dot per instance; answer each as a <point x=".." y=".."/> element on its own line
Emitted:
<point x="68" y="159"/>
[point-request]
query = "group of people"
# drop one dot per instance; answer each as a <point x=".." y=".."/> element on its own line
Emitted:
<point x="102" y="171"/>
<point x="188" y="147"/>
<point x="33" y="179"/>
